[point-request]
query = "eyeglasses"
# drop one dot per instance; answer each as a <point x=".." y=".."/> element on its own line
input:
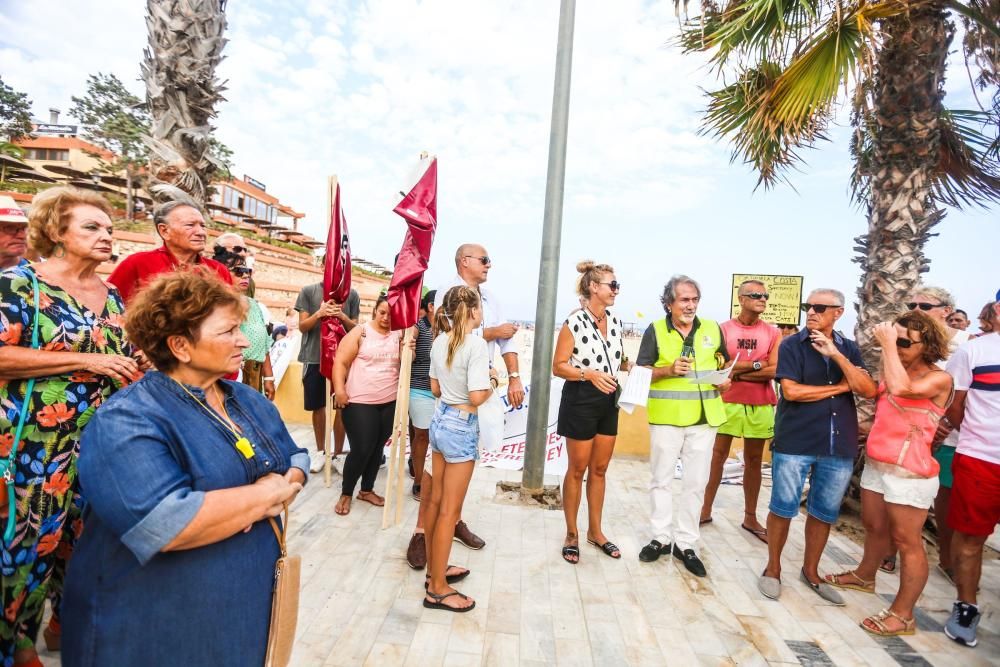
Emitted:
<point x="614" y="285"/>
<point x="484" y="259"/>
<point x="11" y="230"/>
<point x="819" y="308"/>
<point x="757" y="295"/>
<point x="906" y="343"/>
<point x="924" y="306"/>
<point x="241" y="271"/>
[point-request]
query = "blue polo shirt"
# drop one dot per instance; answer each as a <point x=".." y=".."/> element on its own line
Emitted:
<point x="819" y="428"/>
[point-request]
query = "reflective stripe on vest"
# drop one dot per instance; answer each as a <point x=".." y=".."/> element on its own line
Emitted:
<point x="675" y="401"/>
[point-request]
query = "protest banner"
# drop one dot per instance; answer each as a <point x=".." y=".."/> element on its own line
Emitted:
<point x="785" y="297"/>
<point x="510" y="453"/>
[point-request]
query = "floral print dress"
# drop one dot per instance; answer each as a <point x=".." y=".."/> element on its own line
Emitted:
<point x="46" y="500"/>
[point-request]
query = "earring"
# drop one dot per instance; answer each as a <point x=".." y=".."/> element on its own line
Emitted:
<point x="59" y="251"/>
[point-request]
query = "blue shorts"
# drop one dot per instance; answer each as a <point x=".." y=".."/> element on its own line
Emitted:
<point x="455" y="434"/>
<point x="828" y="482"/>
<point x="421" y="408"/>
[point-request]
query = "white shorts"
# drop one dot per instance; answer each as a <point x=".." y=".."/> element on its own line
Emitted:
<point x="885" y="478"/>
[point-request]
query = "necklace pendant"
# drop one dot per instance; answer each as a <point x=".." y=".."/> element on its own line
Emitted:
<point x="245" y="448"/>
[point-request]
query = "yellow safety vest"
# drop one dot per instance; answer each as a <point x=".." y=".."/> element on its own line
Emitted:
<point x="674" y="401"/>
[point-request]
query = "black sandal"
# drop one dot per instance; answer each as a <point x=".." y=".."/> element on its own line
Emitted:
<point x="450" y="578"/>
<point x="437" y="604"/>
<point x="571" y="550"/>
<point x="608" y="548"/>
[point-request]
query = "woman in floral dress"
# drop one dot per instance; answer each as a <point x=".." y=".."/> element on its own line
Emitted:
<point x="82" y="357"/>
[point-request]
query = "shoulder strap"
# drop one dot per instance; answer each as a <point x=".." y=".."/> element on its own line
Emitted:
<point x="282" y="532"/>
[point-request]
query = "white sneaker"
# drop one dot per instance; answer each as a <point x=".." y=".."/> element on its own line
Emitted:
<point x="338" y="464"/>
<point x="316" y="461"/>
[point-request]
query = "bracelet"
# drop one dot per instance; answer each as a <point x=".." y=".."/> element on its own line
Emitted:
<point x="582" y="375"/>
<point x="267" y="379"/>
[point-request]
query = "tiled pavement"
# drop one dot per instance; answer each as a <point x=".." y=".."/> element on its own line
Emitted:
<point x="360" y="603"/>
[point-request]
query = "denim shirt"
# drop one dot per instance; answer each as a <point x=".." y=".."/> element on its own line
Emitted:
<point x="818" y="428"/>
<point x="147" y="460"/>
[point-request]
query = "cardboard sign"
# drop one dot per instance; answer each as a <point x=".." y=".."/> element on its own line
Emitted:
<point x="785" y="297"/>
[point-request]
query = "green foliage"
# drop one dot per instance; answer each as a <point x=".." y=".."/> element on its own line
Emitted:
<point x="15" y="113"/>
<point x="114" y="119"/>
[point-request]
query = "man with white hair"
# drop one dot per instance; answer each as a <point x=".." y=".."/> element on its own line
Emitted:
<point x="815" y="437"/>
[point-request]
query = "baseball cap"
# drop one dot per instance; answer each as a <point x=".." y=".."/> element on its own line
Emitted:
<point x="10" y="212"/>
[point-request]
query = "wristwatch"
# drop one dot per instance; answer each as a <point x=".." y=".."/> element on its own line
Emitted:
<point x="515" y="374"/>
<point x="757" y="365"/>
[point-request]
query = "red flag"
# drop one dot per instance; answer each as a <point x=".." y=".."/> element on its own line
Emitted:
<point x="336" y="284"/>
<point x="419" y="209"/>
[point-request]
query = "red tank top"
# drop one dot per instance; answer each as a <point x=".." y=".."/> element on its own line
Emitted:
<point x="903" y="432"/>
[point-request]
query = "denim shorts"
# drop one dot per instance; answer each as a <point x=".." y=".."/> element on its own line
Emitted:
<point x="829" y="477"/>
<point x="454" y="434"/>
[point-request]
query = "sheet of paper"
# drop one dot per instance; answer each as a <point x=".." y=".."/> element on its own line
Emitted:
<point x="636" y="389"/>
<point x="715" y="377"/>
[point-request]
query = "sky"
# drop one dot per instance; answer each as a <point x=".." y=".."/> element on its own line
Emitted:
<point x="358" y="89"/>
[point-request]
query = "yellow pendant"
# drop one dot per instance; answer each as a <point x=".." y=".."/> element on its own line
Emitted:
<point x="246" y="449"/>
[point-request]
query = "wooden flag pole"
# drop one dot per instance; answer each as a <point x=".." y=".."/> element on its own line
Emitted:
<point x="397" y="449"/>
<point x="328" y="420"/>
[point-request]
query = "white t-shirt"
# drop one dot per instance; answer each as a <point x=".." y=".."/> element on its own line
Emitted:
<point x="976" y="369"/>
<point x="960" y="338"/>
<point x="469" y="371"/>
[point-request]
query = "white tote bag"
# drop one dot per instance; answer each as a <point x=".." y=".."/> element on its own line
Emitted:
<point x="491" y="423"/>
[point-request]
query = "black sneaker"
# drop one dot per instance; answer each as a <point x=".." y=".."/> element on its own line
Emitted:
<point x="691" y="561"/>
<point x="652" y="551"/>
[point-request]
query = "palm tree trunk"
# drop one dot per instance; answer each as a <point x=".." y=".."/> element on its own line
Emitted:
<point x="907" y="95"/>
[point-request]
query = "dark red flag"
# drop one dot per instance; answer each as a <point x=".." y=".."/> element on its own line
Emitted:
<point x="336" y="284"/>
<point x="419" y="209"/>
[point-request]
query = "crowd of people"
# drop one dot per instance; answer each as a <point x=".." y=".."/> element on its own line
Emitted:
<point x="144" y="457"/>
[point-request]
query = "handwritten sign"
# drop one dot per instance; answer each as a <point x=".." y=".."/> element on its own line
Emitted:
<point x="785" y="297"/>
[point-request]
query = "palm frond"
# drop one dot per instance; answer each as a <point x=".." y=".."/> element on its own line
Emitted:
<point x="969" y="169"/>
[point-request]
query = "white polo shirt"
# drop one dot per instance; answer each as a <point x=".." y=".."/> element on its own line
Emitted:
<point x="492" y="315"/>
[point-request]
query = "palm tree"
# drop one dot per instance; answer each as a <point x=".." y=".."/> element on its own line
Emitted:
<point x="11" y="149"/>
<point x="793" y="61"/>
<point x="185" y="47"/>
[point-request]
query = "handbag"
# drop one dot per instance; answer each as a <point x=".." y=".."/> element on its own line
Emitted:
<point x="914" y="452"/>
<point x="7" y="465"/>
<point x="491" y="423"/>
<point x="285" y="601"/>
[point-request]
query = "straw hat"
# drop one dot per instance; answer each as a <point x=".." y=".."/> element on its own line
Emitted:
<point x="10" y="212"/>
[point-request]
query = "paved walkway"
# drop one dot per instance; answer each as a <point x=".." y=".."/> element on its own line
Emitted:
<point x="360" y="603"/>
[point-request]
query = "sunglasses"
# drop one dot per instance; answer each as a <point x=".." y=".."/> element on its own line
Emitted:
<point x="238" y="249"/>
<point x="923" y="306"/>
<point x="906" y="343"/>
<point x="614" y="285"/>
<point x="820" y="308"/>
<point x="757" y="295"/>
<point x="241" y="271"/>
<point x="484" y="259"/>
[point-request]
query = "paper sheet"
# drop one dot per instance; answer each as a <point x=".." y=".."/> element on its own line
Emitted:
<point x="715" y="377"/>
<point x="636" y="389"/>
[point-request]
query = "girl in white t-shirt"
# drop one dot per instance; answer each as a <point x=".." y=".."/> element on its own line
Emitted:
<point x="460" y="379"/>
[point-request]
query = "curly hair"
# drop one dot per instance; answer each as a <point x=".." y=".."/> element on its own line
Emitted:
<point x="590" y="272"/>
<point x="48" y="217"/>
<point x="670" y="289"/>
<point x="932" y="335"/>
<point x="176" y="304"/>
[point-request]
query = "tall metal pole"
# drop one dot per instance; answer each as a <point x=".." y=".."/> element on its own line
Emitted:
<point x="548" y="268"/>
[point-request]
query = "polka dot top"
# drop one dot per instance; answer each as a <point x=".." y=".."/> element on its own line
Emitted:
<point x="590" y="349"/>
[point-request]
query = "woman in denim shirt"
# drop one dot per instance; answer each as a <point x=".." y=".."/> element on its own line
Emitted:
<point x="180" y="472"/>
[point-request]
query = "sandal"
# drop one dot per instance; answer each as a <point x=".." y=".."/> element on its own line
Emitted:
<point x="759" y="533"/>
<point x="450" y="578"/>
<point x="343" y="506"/>
<point x="438" y="604"/>
<point x="608" y="548"/>
<point x="882" y="630"/>
<point x="838" y="581"/>
<point x="371" y="497"/>
<point x="888" y="564"/>
<point x="571" y="550"/>
<point x="702" y="522"/>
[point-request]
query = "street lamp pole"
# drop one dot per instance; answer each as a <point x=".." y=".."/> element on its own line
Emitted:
<point x="548" y="270"/>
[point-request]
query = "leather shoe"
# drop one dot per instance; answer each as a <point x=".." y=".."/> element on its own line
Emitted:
<point x="416" y="552"/>
<point x="467" y="537"/>
<point x="691" y="561"/>
<point x="652" y="551"/>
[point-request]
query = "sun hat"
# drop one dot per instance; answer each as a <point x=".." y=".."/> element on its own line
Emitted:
<point x="10" y="212"/>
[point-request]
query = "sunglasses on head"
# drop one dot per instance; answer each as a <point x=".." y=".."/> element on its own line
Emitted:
<point x="614" y="285"/>
<point x="757" y="295"/>
<point x="820" y="308"/>
<point x="907" y="343"/>
<point x="484" y="259"/>
<point x="923" y="306"/>
<point x="242" y="271"/>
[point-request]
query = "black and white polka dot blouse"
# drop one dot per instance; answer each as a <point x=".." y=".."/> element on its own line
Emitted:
<point x="590" y="349"/>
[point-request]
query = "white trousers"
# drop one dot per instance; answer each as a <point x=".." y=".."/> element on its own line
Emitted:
<point x="693" y="445"/>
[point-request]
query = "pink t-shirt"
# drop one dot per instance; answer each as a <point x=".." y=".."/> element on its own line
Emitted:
<point x="374" y="376"/>
<point x="752" y="343"/>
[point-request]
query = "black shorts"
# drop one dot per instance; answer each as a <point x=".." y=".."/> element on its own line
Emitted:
<point x="586" y="411"/>
<point x="313" y="388"/>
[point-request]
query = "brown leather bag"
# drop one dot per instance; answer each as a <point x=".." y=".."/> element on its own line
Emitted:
<point x="285" y="602"/>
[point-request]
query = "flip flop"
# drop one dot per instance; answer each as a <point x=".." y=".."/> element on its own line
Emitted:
<point x="704" y="521"/>
<point x="347" y="510"/>
<point x="437" y="604"/>
<point x="760" y="534"/>
<point x="888" y="565"/>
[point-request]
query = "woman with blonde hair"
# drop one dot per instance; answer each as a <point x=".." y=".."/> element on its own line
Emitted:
<point x="460" y="379"/>
<point x="588" y="355"/>
<point x="63" y="352"/>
